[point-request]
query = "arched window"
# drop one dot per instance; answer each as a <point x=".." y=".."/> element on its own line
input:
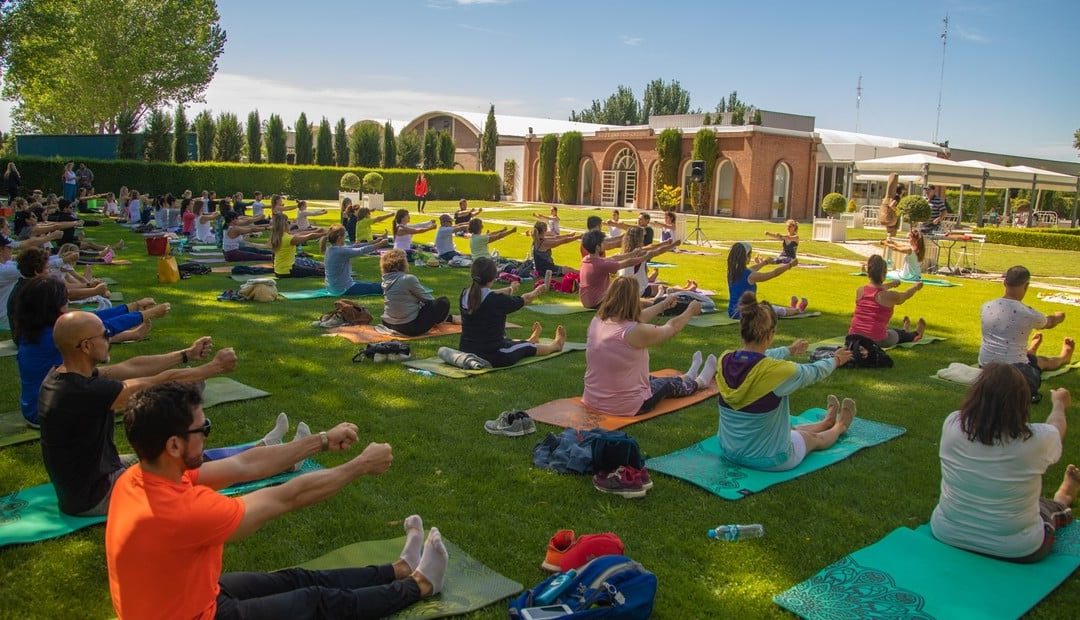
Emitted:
<point x="781" y="191"/>
<point x="725" y="188"/>
<point x="624" y="160"/>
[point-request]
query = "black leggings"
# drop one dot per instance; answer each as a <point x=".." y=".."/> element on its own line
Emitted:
<point x="431" y="314"/>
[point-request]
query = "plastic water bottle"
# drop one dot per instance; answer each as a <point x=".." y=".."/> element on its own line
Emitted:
<point x="731" y="533"/>
<point x="422" y="372"/>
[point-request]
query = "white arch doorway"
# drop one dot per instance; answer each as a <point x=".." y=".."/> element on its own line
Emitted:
<point x="588" y="172"/>
<point x="725" y="188"/>
<point x="781" y="191"/>
<point x="618" y="186"/>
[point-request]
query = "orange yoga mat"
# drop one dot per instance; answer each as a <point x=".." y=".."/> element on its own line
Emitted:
<point x="228" y="268"/>
<point x="570" y="413"/>
<point x="368" y="334"/>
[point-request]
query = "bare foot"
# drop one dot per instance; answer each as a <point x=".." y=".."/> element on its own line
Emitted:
<point x="920" y="329"/>
<point x="1067" y="350"/>
<point x="833" y="408"/>
<point x="906" y="325"/>
<point x="1070" y="486"/>
<point x="560" y="337"/>
<point x="847" y="414"/>
<point x="1036" y="342"/>
<point x="534" y="337"/>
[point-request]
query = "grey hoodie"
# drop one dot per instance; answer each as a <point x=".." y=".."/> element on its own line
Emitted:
<point x="402" y="295"/>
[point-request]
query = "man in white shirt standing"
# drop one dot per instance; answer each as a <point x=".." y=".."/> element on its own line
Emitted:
<point x="1006" y="328"/>
<point x="9" y="275"/>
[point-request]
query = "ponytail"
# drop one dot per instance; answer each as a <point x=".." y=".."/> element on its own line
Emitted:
<point x="398" y="216"/>
<point x="482" y="272"/>
<point x="756" y="319"/>
<point x="737" y="258"/>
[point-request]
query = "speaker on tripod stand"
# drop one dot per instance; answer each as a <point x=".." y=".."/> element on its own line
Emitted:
<point x="697" y="179"/>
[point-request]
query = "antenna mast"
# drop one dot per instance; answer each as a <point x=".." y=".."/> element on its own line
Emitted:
<point x="941" y="83"/>
<point x="858" y="102"/>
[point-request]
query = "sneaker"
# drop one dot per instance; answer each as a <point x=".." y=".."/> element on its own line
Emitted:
<point x="32" y="425"/>
<point x="643" y="475"/>
<point x="557" y="547"/>
<point x="511" y="424"/>
<point x="622" y="482"/>
<point x="589" y="547"/>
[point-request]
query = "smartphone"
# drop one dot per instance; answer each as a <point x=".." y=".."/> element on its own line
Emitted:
<point x="545" y="612"/>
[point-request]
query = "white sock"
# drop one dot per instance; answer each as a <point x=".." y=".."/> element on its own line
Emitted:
<point x="281" y="426"/>
<point x="708" y="371"/>
<point x="302" y="430"/>
<point x="434" y="561"/>
<point x="695" y="365"/>
<point x="414" y="541"/>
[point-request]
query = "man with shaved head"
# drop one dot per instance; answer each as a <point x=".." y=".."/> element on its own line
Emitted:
<point x="79" y="398"/>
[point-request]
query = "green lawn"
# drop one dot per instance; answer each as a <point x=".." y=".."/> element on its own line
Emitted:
<point x="482" y="491"/>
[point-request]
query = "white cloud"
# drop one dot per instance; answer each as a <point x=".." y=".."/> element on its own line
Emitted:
<point x="478" y="29"/>
<point x="972" y="35"/>
<point x="630" y="40"/>
<point x="568" y="99"/>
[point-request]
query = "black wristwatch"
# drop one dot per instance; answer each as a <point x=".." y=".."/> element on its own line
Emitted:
<point x="183" y="357"/>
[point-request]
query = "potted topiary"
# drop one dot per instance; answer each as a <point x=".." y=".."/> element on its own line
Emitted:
<point x="373" y="196"/>
<point x="854" y="215"/>
<point x="914" y="209"/>
<point x="350" y="187"/>
<point x="832" y="228"/>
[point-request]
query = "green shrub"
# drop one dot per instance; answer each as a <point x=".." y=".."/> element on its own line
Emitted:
<point x="1043" y="231"/>
<point x="350" y="182"/>
<point x="341" y="144"/>
<point x="1020" y="204"/>
<point x="1050" y="239"/>
<point x="157" y="139"/>
<point x="914" y="208"/>
<point x="365" y="138"/>
<point x="852" y="206"/>
<point x="567" y="158"/>
<point x="180" y="136"/>
<point x="373" y="183"/>
<point x="125" y="144"/>
<point x="303" y="141"/>
<point x="668" y="197"/>
<point x="389" y="148"/>
<point x="447" y="150"/>
<point x="669" y="150"/>
<point x="509" y="174"/>
<point x="835" y="204"/>
<point x="324" y="144"/>
<point x="546" y="181"/>
<point x="228" y="138"/>
<point x="253" y="131"/>
<point x="971" y="201"/>
<point x="431" y="149"/>
<point x="410" y="150"/>
<point x="204" y="135"/>
<point x="705" y="149"/>
<point x="276" y="151"/>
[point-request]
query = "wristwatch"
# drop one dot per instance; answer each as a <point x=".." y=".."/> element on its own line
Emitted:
<point x="325" y="441"/>
<point x="183" y="357"/>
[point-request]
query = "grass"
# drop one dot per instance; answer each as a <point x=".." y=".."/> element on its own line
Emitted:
<point x="482" y="491"/>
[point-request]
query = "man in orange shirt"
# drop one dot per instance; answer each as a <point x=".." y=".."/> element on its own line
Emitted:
<point x="168" y="526"/>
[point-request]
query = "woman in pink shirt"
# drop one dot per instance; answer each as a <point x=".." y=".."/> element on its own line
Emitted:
<point x="187" y="218"/>
<point x="874" y="305"/>
<point x="617" y="380"/>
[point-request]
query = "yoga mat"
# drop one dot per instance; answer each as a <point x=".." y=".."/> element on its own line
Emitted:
<point x="568" y="307"/>
<point x="926" y="281"/>
<point x="910" y="574"/>
<point x="228" y="268"/>
<point x="32" y="514"/>
<point x="703" y="463"/>
<point x="13" y="430"/>
<point x="206" y="260"/>
<point x="659" y="265"/>
<point x="839" y="342"/>
<point x="8" y="348"/>
<point x="570" y="413"/>
<point x="322" y="292"/>
<point x="437" y="366"/>
<point x="714" y="319"/>
<point x="115" y="261"/>
<point x="114" y="296"/>
<point x="1046" y="374"/>
<point x="470" y="585"/>
<point x="367" y="334"/>
<point x="244" y="277"/>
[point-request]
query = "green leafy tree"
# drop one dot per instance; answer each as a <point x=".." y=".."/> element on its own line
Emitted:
<point x="180" y="136"/>
<point x="1076" y="139"/>
<point x="488" y="141"/>
<point x="127" y="125"/>
<point x="664" y="98"/>
<point x="707" y="120"/>
<point x="669" y="149"/>
<point x="620" y="108"/>
<point x="157" y="139"/>
<point x="549" y="145"/>
<point x="447" y="150"/>
<point x="341" y="144"/>
<point x="410" y="149"/>
<point x="204" y="135"/>
<point x="705" y="149"/>
<point x="59" y="56"/>
<point x="253" y="130"/>
<point x="276" y="140"/>
<point x="389" y="149"/>
<point x="324" y="144"/>
<point x="431" y="149"/>
<point x="365" y="140"/>
<point x="756" y="118"/>
<point x="302" y="140"/>
<point x="567" y="160"/>
<point x="229" y="138"/>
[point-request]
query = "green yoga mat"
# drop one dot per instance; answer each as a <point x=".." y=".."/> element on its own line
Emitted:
<point x="927" y="281"/>
<point x="31" y="515"/>
<point x="658" y="265"/>
<point x="441" y="368"/>
<point x="910" y="574"/>
<point x="703" y="464"/>
<point x="470" y="585"/>
<point x="839" y="342"/>
<point x="8" y="348"/>
<point x="713" y="319"/>
<point x="322" y="292"/>
<point x="561" y="308"/>
<point x="244" y="277"/>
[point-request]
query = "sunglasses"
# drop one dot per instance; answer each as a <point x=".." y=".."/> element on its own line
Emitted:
<point x="204" y="429"/>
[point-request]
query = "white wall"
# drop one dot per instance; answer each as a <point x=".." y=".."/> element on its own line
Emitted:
<point x="517" y="153"/>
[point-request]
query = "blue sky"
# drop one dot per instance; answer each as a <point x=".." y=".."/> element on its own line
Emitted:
<point x="1011" y="81"/>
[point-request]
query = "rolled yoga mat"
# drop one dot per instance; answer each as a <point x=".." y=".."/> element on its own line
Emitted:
<point x="436" y="366"/>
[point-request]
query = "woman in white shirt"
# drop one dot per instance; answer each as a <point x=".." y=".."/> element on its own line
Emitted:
<point x="403" y="232"/>
<point x="992" y="466"/>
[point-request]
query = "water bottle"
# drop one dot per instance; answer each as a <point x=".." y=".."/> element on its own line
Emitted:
<point x="731" y="533"/>
<point x="422" y="372"/>
<point x="556" y="587"/>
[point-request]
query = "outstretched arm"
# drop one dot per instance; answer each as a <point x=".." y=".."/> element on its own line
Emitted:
<point x="505" y="232"/>
<point x="895" y="298"/>
<point x="548" y="243"/>
<point x="644" y="336"/>
<point x="307" y="236"/>
<point x="223" y="362"/>
<point x="764" y="276"/>
<point x="376" y="220"/>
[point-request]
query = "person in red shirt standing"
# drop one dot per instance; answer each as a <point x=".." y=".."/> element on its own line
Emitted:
<point x="167" y="525"/>
<point x="420" y="189"/>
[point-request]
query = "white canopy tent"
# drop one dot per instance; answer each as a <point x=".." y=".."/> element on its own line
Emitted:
<point x="1053" y="181"/>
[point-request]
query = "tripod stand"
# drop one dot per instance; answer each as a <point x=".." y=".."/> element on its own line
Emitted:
<point x="697" y="234"/>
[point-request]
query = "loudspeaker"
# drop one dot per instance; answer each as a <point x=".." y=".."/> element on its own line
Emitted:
<point x="697" y="171"/>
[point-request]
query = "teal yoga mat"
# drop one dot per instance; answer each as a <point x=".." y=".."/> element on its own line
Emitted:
<point x="322" y="292"/>
<point x="703" y="464"/>
<point x="32" y="514"/>
<point x="470" y="585"/>
<point x="436" y="366"/>
<point x="910" y="574"/>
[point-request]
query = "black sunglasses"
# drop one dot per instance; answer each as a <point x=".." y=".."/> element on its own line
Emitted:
<point x="204" y="429"/>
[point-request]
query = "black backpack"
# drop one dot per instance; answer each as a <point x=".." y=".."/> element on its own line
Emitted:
<point x="866" y="353"/>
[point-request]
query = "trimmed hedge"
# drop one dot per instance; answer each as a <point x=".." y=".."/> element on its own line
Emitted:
<point x="1042" y="231"/>
<point x="312" y="182"/>
<point x="1029" y="238"/>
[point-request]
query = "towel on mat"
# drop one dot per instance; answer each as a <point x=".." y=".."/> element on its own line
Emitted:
<point x="964" y="374"/>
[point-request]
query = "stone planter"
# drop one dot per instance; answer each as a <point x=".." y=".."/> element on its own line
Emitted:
<point x="373" y="201"/>
<point x="355" y="196"/>
<point x="827" y="229"/>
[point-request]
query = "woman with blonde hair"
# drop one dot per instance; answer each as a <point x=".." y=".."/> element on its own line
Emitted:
<point x="283" y="244"/>
<point x="338" y="257"/>
<point x="617" y="379"/>
<point x="409" y="308"/>
<point x="483" y="320"/>
<point x="888" y="215"/>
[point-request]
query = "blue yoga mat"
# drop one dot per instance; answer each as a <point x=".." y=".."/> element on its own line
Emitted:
<point x="703" y="463"/>
<point x="32" y="514"/>
<point x="910" y="574"/>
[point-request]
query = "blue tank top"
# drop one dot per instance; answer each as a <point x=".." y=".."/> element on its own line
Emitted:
<point x="736" y="290"/>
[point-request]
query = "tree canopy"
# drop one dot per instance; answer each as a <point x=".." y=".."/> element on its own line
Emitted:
<point x="56" y="79"/>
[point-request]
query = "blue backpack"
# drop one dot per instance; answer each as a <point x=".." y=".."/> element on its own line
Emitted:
<point x="611" y="586"/>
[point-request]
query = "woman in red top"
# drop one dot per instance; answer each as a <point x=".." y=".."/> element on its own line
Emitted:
<point x="874" y="304"/>
<point x="420" y="190"/>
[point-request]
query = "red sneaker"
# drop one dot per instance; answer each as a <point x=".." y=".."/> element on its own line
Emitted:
<point x="590" y="547"/>
<point x="624" y="481"/>
<point x="556" y="549"/>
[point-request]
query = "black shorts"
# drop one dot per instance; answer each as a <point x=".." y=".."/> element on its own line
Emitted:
<point x="510" y="353"/>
